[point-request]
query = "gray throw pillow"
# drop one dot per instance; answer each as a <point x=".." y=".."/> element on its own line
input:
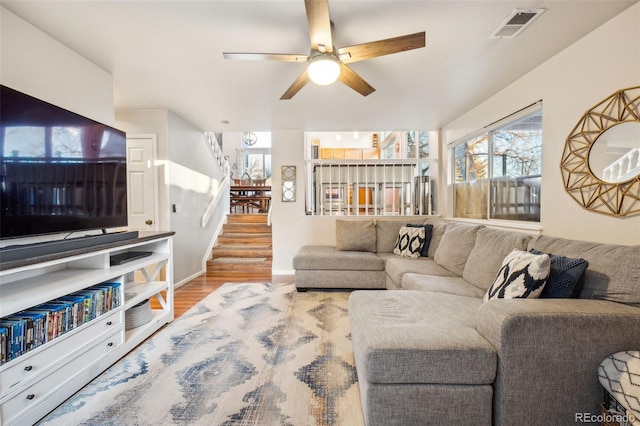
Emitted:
<point x="386" y="235"/>
<point x="356" y="235"/>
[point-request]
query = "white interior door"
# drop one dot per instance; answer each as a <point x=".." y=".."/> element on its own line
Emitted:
<point x="142" y="186"/>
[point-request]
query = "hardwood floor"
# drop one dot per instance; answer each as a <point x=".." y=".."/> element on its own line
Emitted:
<point x="243" y="254"/>
<point x="195" y="290"/>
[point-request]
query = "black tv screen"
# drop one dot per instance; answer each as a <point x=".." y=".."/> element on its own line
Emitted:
<point x="59" y="171"/>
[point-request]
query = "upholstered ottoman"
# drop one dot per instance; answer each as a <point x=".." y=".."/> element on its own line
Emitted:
<point x="420" y="359"/>
<point x="326" y="267"/>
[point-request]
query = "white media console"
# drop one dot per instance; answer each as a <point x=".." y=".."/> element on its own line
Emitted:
<point x="36" y="382"/>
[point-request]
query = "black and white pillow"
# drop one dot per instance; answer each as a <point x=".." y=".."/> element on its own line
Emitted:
<point x="409" y="242"/>
<point x="619" y="374"/>
<point x="428" y="231"/>
<point x="522" y="275"/>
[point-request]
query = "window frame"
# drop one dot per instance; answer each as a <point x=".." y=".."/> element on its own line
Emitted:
<point x="488" y="131"/>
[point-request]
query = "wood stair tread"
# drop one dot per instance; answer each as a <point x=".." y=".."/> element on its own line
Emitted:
<point x="242" y="260"/>
<point x="244" y="248"/>
<point x="247" y="218"/>
<point x="243" y="235"/>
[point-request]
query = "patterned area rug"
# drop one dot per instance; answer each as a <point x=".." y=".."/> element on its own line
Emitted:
<point x="248" y="354"/>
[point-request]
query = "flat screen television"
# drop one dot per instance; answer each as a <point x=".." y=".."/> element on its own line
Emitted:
<point x="59" y="171"/>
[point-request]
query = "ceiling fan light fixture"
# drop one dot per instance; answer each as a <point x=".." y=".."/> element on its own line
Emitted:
<point x="324" y="70"/>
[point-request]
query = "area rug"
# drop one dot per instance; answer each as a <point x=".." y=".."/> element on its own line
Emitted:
<point x="248" y="354"/>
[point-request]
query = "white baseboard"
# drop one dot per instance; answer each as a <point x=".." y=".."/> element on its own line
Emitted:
<point x="283" y="272"/>
<point x="186" y="280"/>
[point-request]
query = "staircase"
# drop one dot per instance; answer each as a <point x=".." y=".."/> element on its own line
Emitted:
<point x="244" y="249"/>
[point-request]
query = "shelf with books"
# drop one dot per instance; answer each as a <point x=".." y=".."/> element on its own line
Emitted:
<point x="23" y="331"/>
<point x="58" y="353"/>
<point x="45" y="358"/>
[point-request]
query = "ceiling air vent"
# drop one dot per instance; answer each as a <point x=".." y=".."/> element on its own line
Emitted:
<point x="517" y="21"/>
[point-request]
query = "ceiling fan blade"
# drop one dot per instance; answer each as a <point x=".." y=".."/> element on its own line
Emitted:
<point x="296" y="86"/>
<point x="266" y="57"/>
<point x="319" y="25"/>
<point x="360" y="52"/>
<point x="353" y="80"/>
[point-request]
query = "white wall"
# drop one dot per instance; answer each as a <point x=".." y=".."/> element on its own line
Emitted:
<point x="291" y="228"/>
<point x="38" y="65"/>
<point x="34" y="63"/>
<point x="569" y="84"/>
<point x="189" y="177"/>
<point x="194" y="180"/>
<point x="606" y="60"/>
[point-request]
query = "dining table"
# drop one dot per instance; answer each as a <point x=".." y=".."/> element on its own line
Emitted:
<point x="250" y="197"/>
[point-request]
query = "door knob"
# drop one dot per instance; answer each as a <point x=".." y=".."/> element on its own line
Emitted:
<point x="149" y="222"/>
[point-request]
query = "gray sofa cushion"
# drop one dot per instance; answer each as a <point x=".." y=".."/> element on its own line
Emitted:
<point x="316" y="279"/>
<point x="448" y="285"/>
<point x="328" y="258"/>
<point x="613" y="273"/>
<point x="437" y="232"/>
<point x="356" y="235"/>
<point x="397" y="266"/>
<point x="419" y="337"/>
<point x="387" y="234"/>
<point x="456" y="244"/>
<point x="413" y="404"/>
<point x="549" y="353"/>
<point x="490" y="249"/>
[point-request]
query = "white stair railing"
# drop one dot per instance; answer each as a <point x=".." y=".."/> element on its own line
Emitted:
<point x="367" y="187"/>
<point x="224" y="185"/>
<point x="623" y="168"/>
<point x="223" y="162"/>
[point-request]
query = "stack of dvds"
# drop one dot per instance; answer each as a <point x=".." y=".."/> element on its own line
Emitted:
<point x="31" y="328"/>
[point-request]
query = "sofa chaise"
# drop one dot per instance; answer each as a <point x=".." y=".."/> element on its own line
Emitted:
<point x="431" y="350"/>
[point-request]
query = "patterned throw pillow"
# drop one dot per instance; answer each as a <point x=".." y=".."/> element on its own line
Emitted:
<point x="428" y="231"/>
<point x="565" y="278"/>
<point x="619" y="374"/>
<point x="522" y="275"/>
<point x="409" y="242"/>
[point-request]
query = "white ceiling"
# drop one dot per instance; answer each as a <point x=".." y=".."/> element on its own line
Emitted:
<point x="168" y="55"/>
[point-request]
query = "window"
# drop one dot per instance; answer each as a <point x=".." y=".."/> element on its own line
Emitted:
<point x="62" y="143"/>
<point x="497" y="171"/>
<point x="253" y="158"/>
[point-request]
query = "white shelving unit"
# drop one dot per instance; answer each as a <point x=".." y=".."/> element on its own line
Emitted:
<point x="37" y="381"/>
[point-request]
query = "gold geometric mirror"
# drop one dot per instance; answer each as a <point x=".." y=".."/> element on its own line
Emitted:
<point x="600" y="164"/>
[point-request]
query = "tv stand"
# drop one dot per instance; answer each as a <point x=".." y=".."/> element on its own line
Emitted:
<point x="36" y="381"/>
<point x="26" y="251"/>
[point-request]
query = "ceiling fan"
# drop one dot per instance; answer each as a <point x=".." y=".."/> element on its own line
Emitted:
<point x="327" y="64"/>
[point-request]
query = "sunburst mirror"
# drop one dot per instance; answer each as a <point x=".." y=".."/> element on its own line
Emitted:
<point x="601" y="160"/>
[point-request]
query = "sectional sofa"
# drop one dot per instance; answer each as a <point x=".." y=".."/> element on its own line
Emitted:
<point x="429" y="349"/>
